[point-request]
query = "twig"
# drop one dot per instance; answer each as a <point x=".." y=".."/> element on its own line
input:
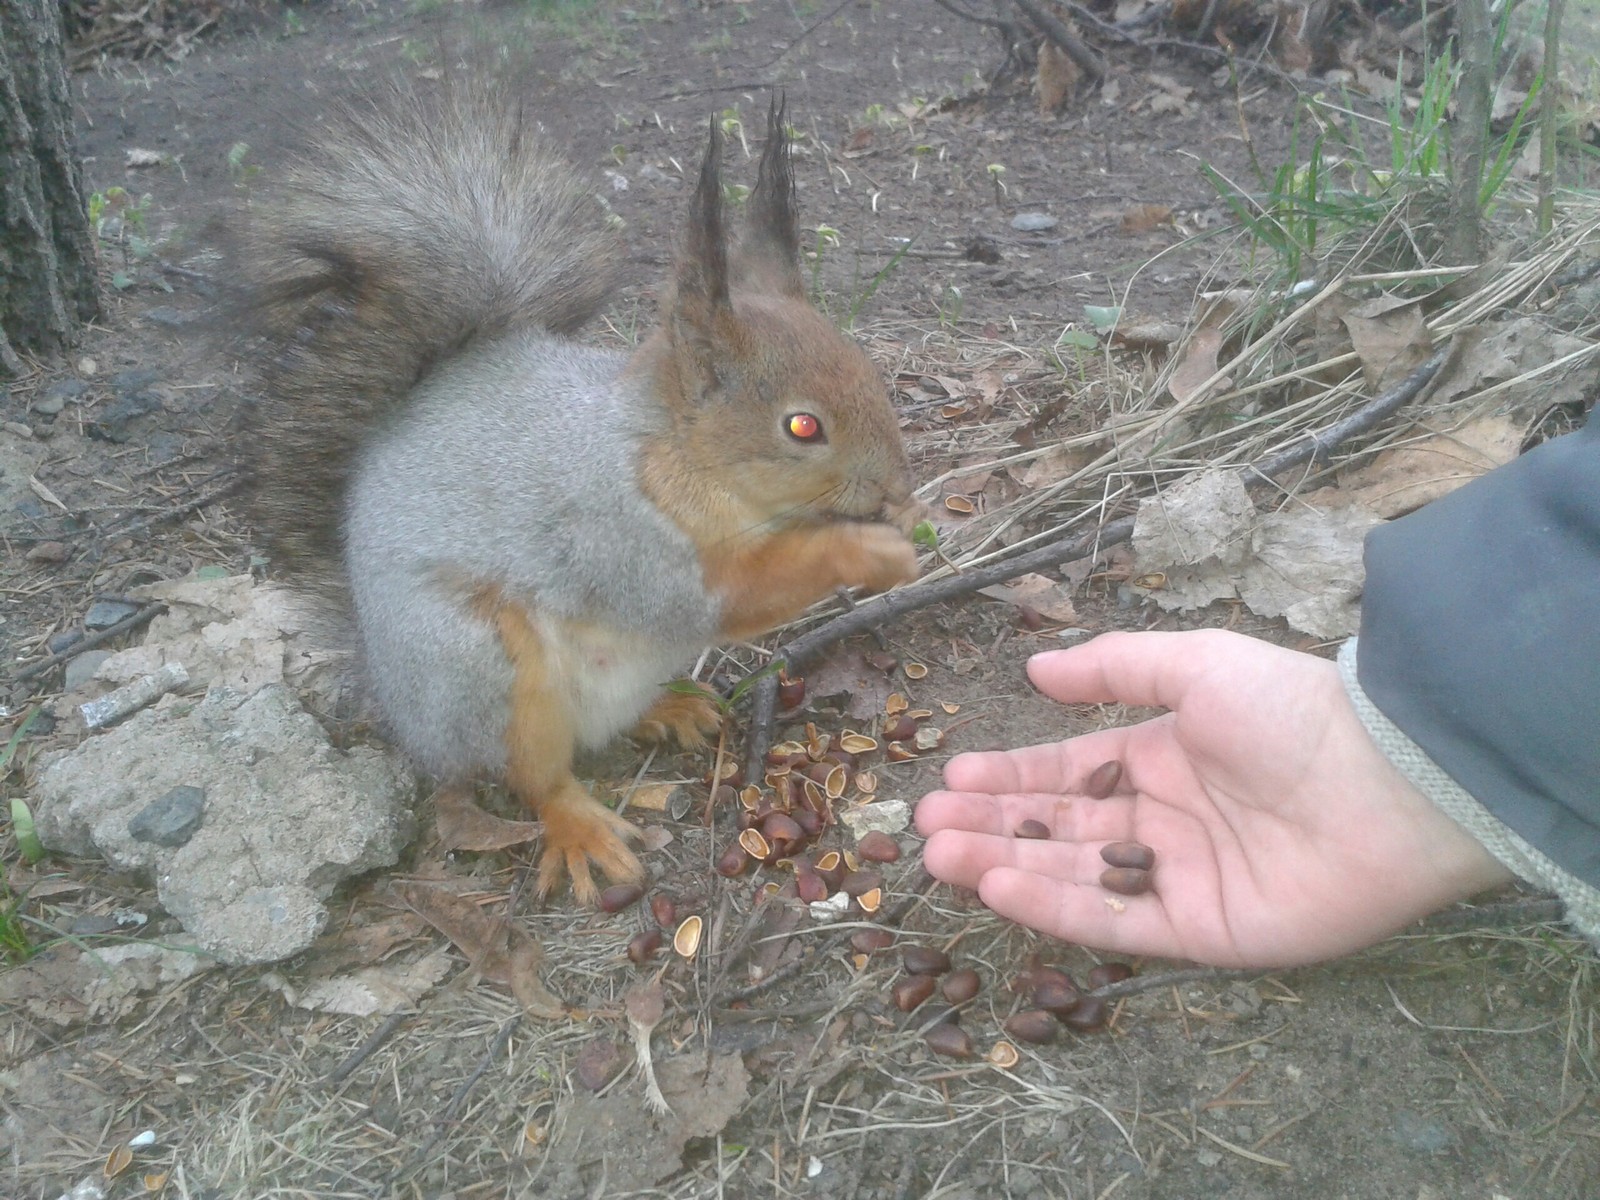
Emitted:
<point x="139" y="618"/>
<point x="1014" y="35"/>
<point x="226" y="488"/>
<point x="1074" y="48"/>
<point x="1314" y="448"/>
<point x="456" y="1101"/>
<point x="367" y="1049"/>
<point x="1550" y="109"/>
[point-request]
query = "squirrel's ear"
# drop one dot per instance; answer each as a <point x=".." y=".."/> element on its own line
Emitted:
<point x="769" y="256"/>
<point x="700" y="292"/>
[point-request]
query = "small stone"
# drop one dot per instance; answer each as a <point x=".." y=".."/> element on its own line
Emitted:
<point x="81" y="670"/>
<point x="103" y="614"/>
<point x="63" y="640"/>
<point x="92" y="924"/>
<point x="885" y="816"/>
<point x="111" y="423"/>
<point x="57" y="395"/>
<point x="131" y="697"/>
<point x="171" y="820"/>
<point x="170" y="317"/>
<point x="1033" y="222"/>
<point x="1415" y="1131"/>
<point x="599" y="1063"/>
<point x="132" y="383"/>
<point x="48" y="552"/>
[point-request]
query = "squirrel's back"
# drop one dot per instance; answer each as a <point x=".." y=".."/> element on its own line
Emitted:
<point x="409" y="229"/>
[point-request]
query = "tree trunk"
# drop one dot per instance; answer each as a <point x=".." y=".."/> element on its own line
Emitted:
<point x="47" y="257"/>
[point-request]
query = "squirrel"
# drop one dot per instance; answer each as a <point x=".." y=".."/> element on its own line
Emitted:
<point x="532" y="536"/>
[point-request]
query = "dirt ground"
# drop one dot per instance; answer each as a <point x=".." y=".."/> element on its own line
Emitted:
<point x="1438" y="1066"/>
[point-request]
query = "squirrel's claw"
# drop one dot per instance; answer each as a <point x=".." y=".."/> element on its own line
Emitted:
<point x="689" y="718"/>
<point x="578" y="831"/>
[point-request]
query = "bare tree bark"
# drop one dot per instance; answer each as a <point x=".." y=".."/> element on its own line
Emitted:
<point x="1549" y="114"/>
<point x="47" y="257"/>
<point x="1475" y="51"/>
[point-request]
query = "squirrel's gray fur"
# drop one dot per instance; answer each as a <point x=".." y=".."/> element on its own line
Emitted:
<point x="424" y="421"/>
<point x="409" y="229"/>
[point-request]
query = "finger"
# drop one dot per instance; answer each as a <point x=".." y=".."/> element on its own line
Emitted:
<point x="1086" y="915"/>
<point x="1066" y="819"/>
<point x="962" y="856"/>
<point x="1049" y="767"/>
<point x="1151" y="669"/>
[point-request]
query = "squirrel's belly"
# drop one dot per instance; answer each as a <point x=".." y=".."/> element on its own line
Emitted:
<point x="609" y="677"/>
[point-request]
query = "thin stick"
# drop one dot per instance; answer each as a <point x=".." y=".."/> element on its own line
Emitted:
<point x="367" y="1049"/>
<point x="145" y="614"/>
<point x="460" y="1098"/>
<point x="1088" y="61"/>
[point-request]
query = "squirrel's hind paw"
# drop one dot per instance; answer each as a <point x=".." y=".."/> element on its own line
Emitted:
<point x="689" y="718"/>
<point x="578" y="831"/>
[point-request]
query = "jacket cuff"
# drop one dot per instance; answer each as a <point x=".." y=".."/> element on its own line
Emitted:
<point x="1516" y="855"/>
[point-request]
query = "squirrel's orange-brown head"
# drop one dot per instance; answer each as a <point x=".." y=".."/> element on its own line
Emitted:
<point x="772" y="406"/>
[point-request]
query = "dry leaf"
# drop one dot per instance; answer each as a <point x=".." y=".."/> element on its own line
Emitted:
<point x="1208" y="542"/>
<point x="497" y="948"/>
<point x="1142" y="218"/>
<point x="352" y="945"/>
<point x="375" y="991"/>
<point x="462" y="825"/>
<point x="1198" y="364"/>
<point x="1057" y="77"/>
<point x="1146" y="335"/>
<point x="1407" y="477"/>
<point x="1508" y="350"/>
<point x="1054" y="465"/>
<point x="1045" y="596"/>
<point x="1390" y="338"/>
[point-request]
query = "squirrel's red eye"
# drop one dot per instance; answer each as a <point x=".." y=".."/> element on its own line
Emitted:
<point x="804" y="427"/>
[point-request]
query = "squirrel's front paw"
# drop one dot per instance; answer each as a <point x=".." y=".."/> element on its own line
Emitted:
<point x="689" y="717"/>
<point x="579" y="830"/>
<point x="882" y="557"/>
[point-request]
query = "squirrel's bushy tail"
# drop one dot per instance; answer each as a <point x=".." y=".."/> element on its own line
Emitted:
<point x="412" y="226"/>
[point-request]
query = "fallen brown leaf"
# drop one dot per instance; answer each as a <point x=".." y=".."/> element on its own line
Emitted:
<point x="497" y="948"/>
<point x="462" y="825"/>
<point x="1142" y="218"/>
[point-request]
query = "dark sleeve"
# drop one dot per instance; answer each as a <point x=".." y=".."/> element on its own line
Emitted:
<point x="1480" y="639"/>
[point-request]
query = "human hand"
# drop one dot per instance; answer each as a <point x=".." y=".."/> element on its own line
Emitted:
<point x="1282" y="834"/>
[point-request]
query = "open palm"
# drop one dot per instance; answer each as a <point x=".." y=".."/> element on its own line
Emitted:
<point x="1282" y="834"/>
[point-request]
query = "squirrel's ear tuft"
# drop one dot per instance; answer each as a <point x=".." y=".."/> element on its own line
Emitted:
<point x="702" y="270"/>
<point x="769" y="256"/>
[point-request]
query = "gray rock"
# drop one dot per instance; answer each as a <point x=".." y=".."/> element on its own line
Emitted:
<point x="103" y="614"/>
<point x="112" y="422"/>
<point x="172" y="318"/>
<point x="135" y="382"/>
<point x="57" y="395"/>
<point x="171" y="820"/>
<point x="81" y="670"/>
<point x="287" y="816"/>
<point x="1033" y="222"/>
<point x="64" y="639"/>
